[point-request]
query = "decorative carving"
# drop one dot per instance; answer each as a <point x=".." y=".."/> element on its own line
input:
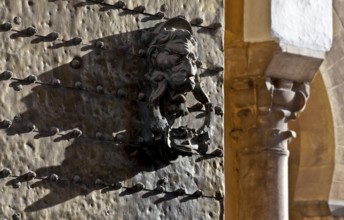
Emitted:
<point x="285" y="99"/>
<point x="266" y="127"/>
<point x="263" y="137"/>
<point x="172" y="73"/>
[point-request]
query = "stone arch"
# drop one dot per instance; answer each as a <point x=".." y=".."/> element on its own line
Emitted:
<point x="325" y="195"/>
<point x="312" y="153"/>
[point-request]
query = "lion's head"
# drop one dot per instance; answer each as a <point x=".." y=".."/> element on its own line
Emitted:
<point x="172" y="56"/>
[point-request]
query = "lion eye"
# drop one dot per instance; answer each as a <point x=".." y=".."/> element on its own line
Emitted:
<point x="179" y="59"/>
<point x="191" y="56"/>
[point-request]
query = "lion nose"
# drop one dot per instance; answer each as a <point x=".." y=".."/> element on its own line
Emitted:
<point x="190" y="74"/>
<point x="189" y="70"/>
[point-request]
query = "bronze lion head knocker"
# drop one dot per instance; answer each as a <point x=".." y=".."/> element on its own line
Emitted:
<point x="172" y="56"/>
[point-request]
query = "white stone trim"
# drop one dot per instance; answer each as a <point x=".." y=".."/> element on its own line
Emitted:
<point x="288" y="48"/>
<point x="303" y="27"/>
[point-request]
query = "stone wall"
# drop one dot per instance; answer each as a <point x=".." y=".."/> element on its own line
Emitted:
<point x="92" y="86"/>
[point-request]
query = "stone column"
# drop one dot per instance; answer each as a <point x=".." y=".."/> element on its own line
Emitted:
<point x="262" y="132"/>
<point x="263" y="162"/>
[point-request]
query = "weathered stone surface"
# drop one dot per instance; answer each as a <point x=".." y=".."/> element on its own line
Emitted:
<point x="293" y="67"/>
<point x="97" y="95"/>
<point x="245" y="66"/>
<point x="257" y="21"/>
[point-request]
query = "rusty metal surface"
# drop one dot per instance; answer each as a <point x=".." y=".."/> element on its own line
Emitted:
<point x="77" y="177"/>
